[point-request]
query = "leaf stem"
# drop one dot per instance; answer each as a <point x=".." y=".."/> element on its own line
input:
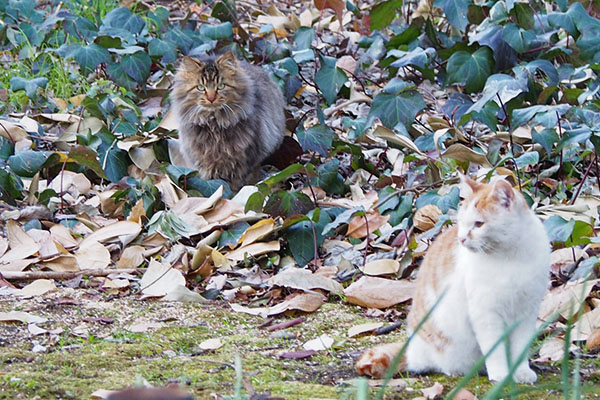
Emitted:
<point x="585" y="175"/>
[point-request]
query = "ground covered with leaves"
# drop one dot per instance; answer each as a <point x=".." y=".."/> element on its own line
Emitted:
<point x="120" y="269"/>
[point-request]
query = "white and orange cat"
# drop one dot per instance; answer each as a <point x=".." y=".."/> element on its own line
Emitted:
<point x="493" y="267"/>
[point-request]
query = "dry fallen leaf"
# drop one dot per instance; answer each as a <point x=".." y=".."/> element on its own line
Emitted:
<point x="211" y="344"/>
<point x="553" y="349"/>
<point x="21" y="316"/>
<point x="255" y="249"/>
<point x="302" y="301"/>
<point x="21" y="244"/>
<point x="257" y="231"/>
<point x="380" y="267"/>
<point x="121" y="228"/>
<point x="160" y="279"/>
<point x="426" y="217"/>
<point x="379" y="292"/>
<point x="304" y="279"/>
<point x="593" y="341"/>
<point x="464" y="394"/>
<point x="434" y="391"/>
<point x="363" y="328"/>
<point x="323" y="342"/>
<point x="182" y="294"/>
<point x="358" y="227"/>
<point x="37" y="288"/>
<point x="566" y="299"/>
<point x="92" y="255"/>
<point x="132" y="257"/>
<point x="586" y="325"/>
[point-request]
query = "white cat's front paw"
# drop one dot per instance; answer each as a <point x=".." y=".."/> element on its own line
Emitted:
<point x="496" y="374"/>
<point x="525" y="375"/>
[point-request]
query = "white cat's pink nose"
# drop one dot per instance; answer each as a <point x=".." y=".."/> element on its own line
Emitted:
<point x="462" y="240"/>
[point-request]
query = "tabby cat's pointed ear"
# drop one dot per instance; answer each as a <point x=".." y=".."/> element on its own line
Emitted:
<point x="467" y="185"/>
<point x="227" y="60"/>
<point x="190" y="63"/>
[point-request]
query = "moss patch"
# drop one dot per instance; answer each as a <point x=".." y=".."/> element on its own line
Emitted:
<point x="93" y="348"/>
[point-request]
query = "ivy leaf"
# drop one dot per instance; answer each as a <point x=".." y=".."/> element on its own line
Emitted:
<point x="543" y="115"/>
<point x="29" y="85"/>
<point x="504" y="86"/>
<point x="418" y="57"/>
<point x="559" y="229"/>
<point x="90" y="56"/>
<point x="217" y="32"/>
<point x="456" y="12"/>
<point x="81" y="28"/>
<point x="116" y="162"/>
<point x="589" y="45"/>
<point x="123" y="18"/>
<point x="329" y="178"/>
<point x="470" y="70"/>
<point x="398" y="102"/>
<point x="28" y="163"/>
<point x="303" y="38"/>
<point x="330" y="78"/>
<point x="11" y="187"/>
<point x="528" y="158"/>
<point x="303" y="235"/>
<point x="518" y="38"/>
<point x="383" y="14"/>
<point x="231" y="236"/>
<point x="164" y="49"/>
<point x="119" y="76"/>
<point x="284" y="204"/>
<point x="316" y="138"/>
<point x="137" y="66"/>
<point x="207" y="188"/>
<point x="546" y="138"/>
<point x="255" y="202"/>
<point x="84" y="155"/>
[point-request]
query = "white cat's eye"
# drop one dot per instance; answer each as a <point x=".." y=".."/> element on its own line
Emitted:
<point x="221" y="86"/>
<point x="201" y="87"/>
<point x="478" y="224"/>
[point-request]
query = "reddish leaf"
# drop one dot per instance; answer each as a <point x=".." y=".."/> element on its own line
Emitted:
<point x="298" y="354"/>
<point x="335" y="5"/>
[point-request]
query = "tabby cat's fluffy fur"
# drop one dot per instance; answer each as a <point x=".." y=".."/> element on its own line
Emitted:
<point x="493" y="267"/>
<point x="230" y="117"/>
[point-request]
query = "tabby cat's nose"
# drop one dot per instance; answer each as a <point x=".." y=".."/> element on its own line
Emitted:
<point x="211" y="95"/>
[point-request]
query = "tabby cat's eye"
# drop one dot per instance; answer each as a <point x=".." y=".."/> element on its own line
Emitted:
<point x="201" y="87"/>
<point x="221" y="86"/>
<point x="478" y="224"/>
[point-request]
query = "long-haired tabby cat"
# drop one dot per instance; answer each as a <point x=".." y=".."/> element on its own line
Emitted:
<point x="230" y="116"/>
<point x="493" y="268"/>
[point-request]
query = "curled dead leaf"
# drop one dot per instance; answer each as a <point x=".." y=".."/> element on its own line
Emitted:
<point x="426" y="217"/>
<point x="380" y="267"/>
<point x="379" y="292"/>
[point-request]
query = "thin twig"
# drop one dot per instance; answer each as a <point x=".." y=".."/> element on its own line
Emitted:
<point x="368" y="239"/>
<point x="60" y="275"/>
<point x="585" y="175"/>
<point x="510" y="139"/>
<point x="8" y="133"/>
<point x="561" y="152"/>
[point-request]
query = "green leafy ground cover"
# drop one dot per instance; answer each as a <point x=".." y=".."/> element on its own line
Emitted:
<point x="386" y="100"/>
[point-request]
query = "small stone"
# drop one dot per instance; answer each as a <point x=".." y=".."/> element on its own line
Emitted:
<point x="283" y="335"/>
<point x="169" y="353"/>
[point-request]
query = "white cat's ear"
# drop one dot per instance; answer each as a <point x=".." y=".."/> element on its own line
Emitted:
<point x="190" y="63"/>
<point x="504" y="193"/>
<point x="228" y="60"/>
<point x="467" y="185"/>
